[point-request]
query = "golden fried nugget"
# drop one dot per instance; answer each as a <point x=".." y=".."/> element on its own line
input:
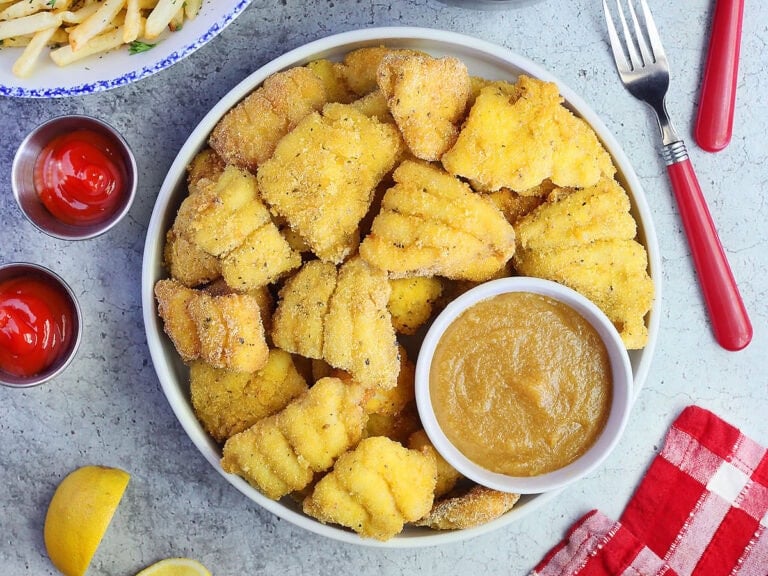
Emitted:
<point x="205" y="165"/>
<point x="172" y="301"/>
<point x="262" y="258"/>
<point x="225" y="211"/>
<point x="412" y="301"/>
<point x="580" y="159"/>
<point x="334" y="80"/>
<point x="228" y="402"/>
<point x="433" y="224"/>
<point x="323" y="174"/>
<point x="427" y="98"/>
<point x="375" y="489"/>
<point x="281" y="453"/>
<point x="358" y="336"/>
<point x="360" y="67"/>
<point x="299" y="321"/>
<point x="374" y="105"/>
<point x="596" y="213"/>
<point x="247" y="135"/>
<point x="611" y="273"/>
<point x="262" y="295"/>
<point x="397" y="427"/>
<point x="513" y="205"/>
<point x="230" y="331"/>
<point x="447" y="475"/>
<point x="187" y="262"/>
<point x="394" y="400"/>
<point x="479" y="505"/>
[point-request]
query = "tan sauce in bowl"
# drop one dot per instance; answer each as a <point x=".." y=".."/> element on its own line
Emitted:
<point x="521" y="384"/>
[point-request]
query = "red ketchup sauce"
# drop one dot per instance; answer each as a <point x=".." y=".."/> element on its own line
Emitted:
<point x="36" y="324"/>
<point x="80" y="178"/>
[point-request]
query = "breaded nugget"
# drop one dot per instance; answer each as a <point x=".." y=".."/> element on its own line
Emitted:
<point x="360" y="67"/>
<point x="412" y="301"/>
<point x="394" y="400"/>
<point x="427" y="98"/>
<point x="580" y="159"/>
<point x="247" y="135"/>
<point x="187" y="262"/>
<point x="375" y="489"/>
<point x="374" y="105"/>
<point x="281" y="453"/>
<point x="299" y="321"/>
<point x="358" y="336"/>
<point x="262" y="295"/>
<point x="172" y="301"/>
<point x="334" y="80"/>
<point x="433" y="224"/>
<point x="263" y="257"/>
<point x="323" y="174"/>
<point x="447" y="475"/>
<point x="228" y="402"/>
<point x="205" y="165"/>
<point x="612" y="273"/>
<point x="477" y="506"/>
<point x="513" y="205"/>
<point x="397" y="427"/>
<point x="596" y="213"/>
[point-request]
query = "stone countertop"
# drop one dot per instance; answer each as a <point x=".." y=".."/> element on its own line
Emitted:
<point x="108" y="407"/>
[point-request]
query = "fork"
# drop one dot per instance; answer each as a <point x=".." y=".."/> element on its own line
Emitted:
<point x="644" y="71"/>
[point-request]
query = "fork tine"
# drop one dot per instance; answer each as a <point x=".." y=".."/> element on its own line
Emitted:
<point x="618" y="52"/>
<point x="653" y="33"/>
<point x="644" y="50"/>
<point x="634" y="57"/>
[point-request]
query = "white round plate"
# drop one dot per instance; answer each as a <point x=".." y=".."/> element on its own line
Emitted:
<point x="117" y="67"/>
<point x="483" y="59"/>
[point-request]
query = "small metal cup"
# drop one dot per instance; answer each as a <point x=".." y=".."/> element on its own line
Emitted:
<point x="19" y="269"/>
<point x="22" y="177"/>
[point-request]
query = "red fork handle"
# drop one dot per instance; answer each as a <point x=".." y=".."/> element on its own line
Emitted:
<point x="730" y="322"/>
<point x="714" y="122"/>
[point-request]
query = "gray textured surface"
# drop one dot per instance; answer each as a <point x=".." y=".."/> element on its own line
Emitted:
<point x="108" y="407"/>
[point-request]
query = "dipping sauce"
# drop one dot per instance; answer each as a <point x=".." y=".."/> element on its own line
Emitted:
<point x="36" y="325"/>
<point x="521" y="384"/>
<point x="80" y="178"/>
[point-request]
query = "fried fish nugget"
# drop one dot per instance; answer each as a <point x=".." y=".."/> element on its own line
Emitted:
<point x="261" y="295"/>
<point x="580" y="159"/>
<point x="360" y="67"/>
<point x="427" y="98"/>
<point x="172" y="301"/>
<point x="412" y="301"/>
<point x="299" y="321"/>
<point x="247" y="135"/>
<point x="513" y="205"/>
<point x="358" y="336"/>
<point x="205" y="165"/>
<point x="375" y="489"/>
<point x="334" y="80"/>
<point x="447" y="476"/>
<point x="228" y="402"/>
<point x="596" y="213"/>
<point x="612" y="273"/>
<point x="433" y="224"/>
<point x="323" y="175"/>
<point x="280" y="454"/>
<point x="479" y="505"/>
<point x="187" y="262"/>
<point x="394" y="400"/>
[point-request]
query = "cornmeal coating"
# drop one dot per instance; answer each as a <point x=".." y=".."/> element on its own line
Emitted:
<point x="447" y="475"/>
<point x="431" y="224"/>
<point x="207" y="165"/>
<point x="579" y="159"/>
<point x="477" y="506"/>
<point x="173" y="298"/>
<point x="360" y="67"/>
<point x="247" y="135"/>
<point x="228" y="402"/>
<point x="374" y="105"/>
<point x="427" y="98"/>
<point x="282" y="453"/>
<point x="375" y="489"/>
<point x="514" y="205"/>
<point x="412" y="301"/>
<point x="323" y="174"/>
<point x="334" y="80"/>
<point x="392" y="401"/>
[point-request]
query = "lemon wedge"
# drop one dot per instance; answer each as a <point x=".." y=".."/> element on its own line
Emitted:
<point x="176" y="567"/>
<point x="79" y="514"/>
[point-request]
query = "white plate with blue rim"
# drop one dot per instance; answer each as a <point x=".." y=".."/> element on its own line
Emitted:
<point x="120" y="66"/>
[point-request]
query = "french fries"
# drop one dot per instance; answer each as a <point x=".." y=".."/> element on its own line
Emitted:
<point x="76" y="29"/>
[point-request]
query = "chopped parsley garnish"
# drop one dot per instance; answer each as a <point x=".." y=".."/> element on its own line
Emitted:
<point x="137" y="47"/>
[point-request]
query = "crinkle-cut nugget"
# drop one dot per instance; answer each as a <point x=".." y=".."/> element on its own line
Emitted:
<point x="230" y="331"/>
<point x="281" y="453"/>
<point x="394" y="400"/>
<point x="433" y="224"/>
<point x="360" y="67"/>
<point x="228" y="402"/>
<point x="299" y="320"/>
<point x="225" y="211"/>
<point x="412" y="301"/>
<point x="507" y="139"/>
<point x="374" y="105"/>
<point x="578" y="216"/>
<point x="513" y="205"/>
<point x="580" y="159"/>
<point x="447" y="475"/>
<point x="375" y="489"/>
<point x="612" y="273"/>
<point x="172" y="301"/>
<point x="247" y="135"/>
<point x="263" y="257"/>
<point x="477" y="506"/>
<point x="187" y="262"/>
<point x="427" y="98"/>
<point x="323" y="174"/>
<point x="358" y="336"/>
<point x="262" y="295"/>
<point x="334" y="80"/>
<point x="397" y="427"/>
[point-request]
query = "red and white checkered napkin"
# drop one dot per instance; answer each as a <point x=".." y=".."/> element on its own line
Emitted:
<point x="702" y="509"/>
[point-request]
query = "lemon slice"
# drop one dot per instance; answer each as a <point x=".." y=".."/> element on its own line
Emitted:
<point x="176" y="567"/>
<point x="79" y="514"/>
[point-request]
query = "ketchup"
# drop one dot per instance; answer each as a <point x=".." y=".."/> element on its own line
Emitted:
<point x="36" y="324"/>
<point x="79" y="177"/>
